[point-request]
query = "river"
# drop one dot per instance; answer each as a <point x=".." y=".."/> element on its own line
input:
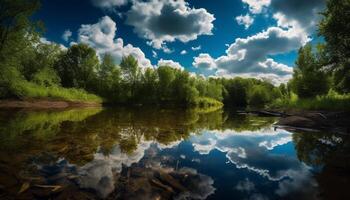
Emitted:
<point x="147" y="153"/>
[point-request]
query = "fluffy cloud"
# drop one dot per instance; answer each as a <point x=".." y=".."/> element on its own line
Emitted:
<point x="109" y="4"/>
<point x="257" y="6"/>
<point x="250" y="150"/>
<point x="272" y="78"/>
<point x="170" y="63"/>
<point x="297" y="13"/>
<point x="101" y="36"/>
<point x="183" y="52"/>
<point x="204" y="61"/>
<point x="166" y="21"/>
<point x="99" y="173"/>
<point x="249" y="56"/>
<point x="290" y="13"/>
<point x="245" y="20"/>
<point x="67" y="35"/>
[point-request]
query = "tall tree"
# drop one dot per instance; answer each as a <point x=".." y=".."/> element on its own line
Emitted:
<point x="335" y="29"/>
<point x="166" y="76"/>
<point x="309" y="80"/>
<point x="109" y="77"/>
<point x="148" y="93"/>
<point x="131" y="73"/>
<point x="17" y="34"/>
<point x="77" y="68"/>
<point x="17" y="31"/>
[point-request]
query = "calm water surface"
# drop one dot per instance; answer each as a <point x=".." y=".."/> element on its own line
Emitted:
<point x="166" y="154"/>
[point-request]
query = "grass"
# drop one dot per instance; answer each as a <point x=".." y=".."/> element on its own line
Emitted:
<point x="207" y="103"/>
<point x="331" y="101"/>
<point x="28" y="90"/>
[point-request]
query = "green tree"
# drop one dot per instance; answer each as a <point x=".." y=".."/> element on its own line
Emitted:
<point x="38" y="64"/>
<point x="235" y="92"/>
<point x="259" y="96"/>
<point x="308" y="79"/>
<point x="131" y="73"/>
<point x="109" y="78"/>
<point x="17" y="34"/>
<point x="335" y="29"/>
<point x="77" y="68"/>
<point x="17" y="31"/>
<point x="166" y="76"/>
<point x="148" y="92"/>
<point x="183" y="88"/>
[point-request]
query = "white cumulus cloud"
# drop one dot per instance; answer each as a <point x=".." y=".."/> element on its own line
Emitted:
<point x="204" y="61"/>
<point x="101" y="36"/>
<point x="257" y="6"/>
<point x="161" y="22"/>
<point x="170" y="63"/>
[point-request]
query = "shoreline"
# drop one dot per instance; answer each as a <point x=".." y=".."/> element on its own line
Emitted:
<point x="303" y="120"/>
<point x="309" y="120"/>
<point x="46" y="104"/>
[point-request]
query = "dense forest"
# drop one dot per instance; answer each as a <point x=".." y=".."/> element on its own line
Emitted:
<point x="31" y="68"/>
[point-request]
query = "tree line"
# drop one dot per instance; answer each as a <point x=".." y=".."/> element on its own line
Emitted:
<point x="30" y="65"/>
<point x="33" y="68"/>
<point x="325" y="66"/>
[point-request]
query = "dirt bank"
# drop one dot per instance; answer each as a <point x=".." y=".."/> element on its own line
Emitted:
<point x="310" y="120"/>
<point x="45" y="104"/>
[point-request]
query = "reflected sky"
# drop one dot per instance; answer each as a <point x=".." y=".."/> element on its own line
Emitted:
<point x="164" y="154"/>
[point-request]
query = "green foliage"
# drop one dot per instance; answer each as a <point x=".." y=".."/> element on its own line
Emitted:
<point x="46" y="77"/>
<point x="236" y="92"/>
<point x="77" y="67"/>
<point x="108" y="79"/>
<point x="240" y="92"/>
<point x="36" y="69"/>
<point x="205" y="102"/>
<point x="166" y="77"/>
<point x="131" y="73"/>
<point x="24" y="90"/>
<point x="40" y="57"/>
<point x="331" y="101"/>
<point x="308" y="78"/>
<point x="259" y="96"/>
<point x="335" y="28"/>
<point x="17" y="31"/>
<point x="44" y="124"/>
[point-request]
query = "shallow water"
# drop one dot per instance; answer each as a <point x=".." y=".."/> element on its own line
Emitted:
<point x="165" y="154"/>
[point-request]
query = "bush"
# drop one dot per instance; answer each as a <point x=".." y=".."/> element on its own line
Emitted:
<point x="205" y="102"/>
<point x="27" y="90"/>
<point x="331" y="101"/>
<point x="259" y="96"/>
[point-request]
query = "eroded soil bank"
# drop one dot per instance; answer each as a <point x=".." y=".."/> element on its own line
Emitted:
<point x="333" y="121"/>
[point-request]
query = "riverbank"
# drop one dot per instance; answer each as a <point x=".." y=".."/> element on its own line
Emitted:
<point x="306" y="120"/>
<point x="46" y="104"/>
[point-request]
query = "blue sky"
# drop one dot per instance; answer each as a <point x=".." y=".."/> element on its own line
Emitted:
<point x="249" y="38"/>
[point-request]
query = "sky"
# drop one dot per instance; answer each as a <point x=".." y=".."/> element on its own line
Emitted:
<point x="219" y="38"/>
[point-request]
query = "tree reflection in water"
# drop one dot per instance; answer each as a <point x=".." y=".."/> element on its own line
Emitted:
<point x="330" y="154"/>
<point x="118" y="153"/>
